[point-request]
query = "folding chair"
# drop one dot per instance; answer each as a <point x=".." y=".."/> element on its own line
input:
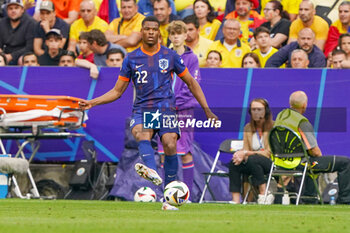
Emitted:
<point x="228" y="146"/>
<point x="287" y="145"/>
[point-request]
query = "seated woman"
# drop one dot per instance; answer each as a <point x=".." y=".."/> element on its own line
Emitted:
<point x="254" y="159"/>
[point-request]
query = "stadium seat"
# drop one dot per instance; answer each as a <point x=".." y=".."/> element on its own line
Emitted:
<point x="287" y="145"/>
<point x="228" y="146"/>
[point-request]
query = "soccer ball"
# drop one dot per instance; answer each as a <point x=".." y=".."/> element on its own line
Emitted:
<point x="145" y="194"/>
<point x="176" y="193"/>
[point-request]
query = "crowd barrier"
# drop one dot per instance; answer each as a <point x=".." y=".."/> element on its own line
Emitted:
<point x="228" y="92"/>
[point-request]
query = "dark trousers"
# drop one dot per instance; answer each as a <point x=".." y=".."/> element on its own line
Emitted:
<point x="324" y="164"/>
<point x="256" y="165"/>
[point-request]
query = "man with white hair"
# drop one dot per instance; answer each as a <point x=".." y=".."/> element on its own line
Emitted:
<point x="88" y="21"/>
<point x="299" y="59"/>
<point x="230" y="46"/>
<point x="293" y="118"/>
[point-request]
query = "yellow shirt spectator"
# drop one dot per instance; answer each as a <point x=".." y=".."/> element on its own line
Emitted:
<point x="201" y="50"/>
<point x="79" y="26"/>
<point x="319" y="27"/>
<point x="126" y="27"/>
<point x="264" y="57"/>
<point x="233" y="58"/>
<point x="209" y="30"/>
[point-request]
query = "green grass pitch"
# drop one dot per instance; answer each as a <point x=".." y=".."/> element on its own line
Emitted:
<point x="61" y="216"/>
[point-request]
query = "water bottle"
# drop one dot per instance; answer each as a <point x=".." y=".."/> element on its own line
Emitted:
<point x="285" y="198"/>
<point x="332" y="193"/>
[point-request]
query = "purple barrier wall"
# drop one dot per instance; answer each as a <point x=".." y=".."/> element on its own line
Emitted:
<point x="228" y="91"/>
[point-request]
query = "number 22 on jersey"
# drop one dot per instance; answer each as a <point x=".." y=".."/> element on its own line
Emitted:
<point x="141" y="76"/>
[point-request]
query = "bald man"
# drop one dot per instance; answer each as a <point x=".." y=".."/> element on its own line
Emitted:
<point x="305" y="41"/>
<point x="293" y="118"/>
<point x="299" y="59"/>
<point x="88" y="21"/>
<point x="309" y="19"/>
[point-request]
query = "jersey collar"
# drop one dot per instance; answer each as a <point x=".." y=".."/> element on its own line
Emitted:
<point x="148" y="53"/>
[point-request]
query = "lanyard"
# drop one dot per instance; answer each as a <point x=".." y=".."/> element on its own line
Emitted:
<point x="259" y="140"/>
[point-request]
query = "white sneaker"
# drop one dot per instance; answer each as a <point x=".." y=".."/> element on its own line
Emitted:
<point x="148" y="173"/>
<point x="167" y="206"/>
<point x="269" y="199"/>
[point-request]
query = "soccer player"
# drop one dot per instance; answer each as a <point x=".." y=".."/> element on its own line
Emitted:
<point x="150" y="67"/>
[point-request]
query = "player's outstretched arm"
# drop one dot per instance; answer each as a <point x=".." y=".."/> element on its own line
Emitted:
<point x="197" y="92"/>
<point x="108" y="97"/>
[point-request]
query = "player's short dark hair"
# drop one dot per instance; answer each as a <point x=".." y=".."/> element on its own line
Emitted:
<point x="215" y="51"/>
<point x="115" y="51"/>
<point x="191" y="19"/>
<point x="68" y="53"/>
<point x="29" y="53"/>
<point x="4" y="57"/>
<point x="150" y="19"/>
<point x="338" y="51"/>
<point x="261" y="30"/>
<point x="167" y="1"/>
<point x="84" y="36"/>
<point x="97" y="36"/>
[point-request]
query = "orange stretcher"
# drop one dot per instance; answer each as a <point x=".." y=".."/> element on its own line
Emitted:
<point x="35" y="117"/>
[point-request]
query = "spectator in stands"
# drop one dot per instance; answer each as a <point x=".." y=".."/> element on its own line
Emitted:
<point x="195" y="41"/>
<point x="254" y="159"/>
<point x="339" y="59"/>
<point x="263" y="41"/>
<point x="205" y="14"/>
<point x="248" y="18"/>
<point x="277" y="23"/>
<point x="214" y="59"/>
<point x="230" y="47"/>
<point x="344" y="43"/>
<point x="88" y="21"/>
<point x="52" y="55"/>
<point x="291" y="7"/>
<point x="115" y="58"/>
<point x="250" y="60"/>
<point x="341" y="26"/>
<point x="306" y="38"/>
<point x="146" y="7"/>
<point x="162" y="11"/>
<point x="67" y="59"/>
<point x="308" y="19"/>
<point x="68" y="10"/>
<point x="100" y="46"/>
<point x="3" y="61"/>
<point x="48" y="21"/>
<point x="299" y="59"/>
<point x="16" y="35"/>
<point x="126" y="30"/>
<point x="30" y="59"/>
<point x="85" y="52"/>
